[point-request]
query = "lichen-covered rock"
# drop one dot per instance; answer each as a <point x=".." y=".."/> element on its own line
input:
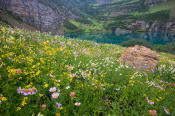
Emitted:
<point x="140" y="57"/>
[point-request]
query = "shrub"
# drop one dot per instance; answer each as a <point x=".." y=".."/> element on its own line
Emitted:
<point x="69" y="25"/>
<point x="137" y="42"/>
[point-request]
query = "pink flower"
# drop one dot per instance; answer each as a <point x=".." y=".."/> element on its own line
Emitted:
<point x="43" y="106"/>
<point x="72" y="94"/>
<point x="153" y="112"/>
<point x="174" y="84"/>
<point x="18" y="70"/>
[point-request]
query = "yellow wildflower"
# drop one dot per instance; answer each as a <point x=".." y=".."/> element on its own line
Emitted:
<point x="61" y="108"/>
<point x="25" y="98"/>
<point x="20" y="78"/>
<point x="40" y="94"/>
<point x="18" y="108"/>
<point x="57" y="85"/>
<point x="3" y="98"/>
<point x="23" y="103"/>
<point x="30" y="85"/>
<point x="38" y="72"/>
<point x="46" y="85"/>
<point x="42" y="60"/>
<point x="131" y="81"/>
<point x="57" y="114"/>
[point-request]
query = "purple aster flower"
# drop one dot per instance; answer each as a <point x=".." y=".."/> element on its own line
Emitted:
<point x="53" y="89"/>
<point x="55" y="95"/>
<point x="58" y="105"/>
<point x="20" y="90"/>
<point x="167" y="111"/>
<point x="145" y="75"/>
<point x="31" y="92"/>
<point x="25" y="93"/>
<point x="51" y="75"/>
<point x="150" y="102"/>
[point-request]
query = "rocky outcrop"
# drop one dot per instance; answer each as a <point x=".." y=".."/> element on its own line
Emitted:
<point x="36" y="14"/>
<point x="153" y="2"/>
<point x="140" y="57"/>
<point x="103" y="1"/>
<point x="157" y="26"/>
<point x="120" y="31"/>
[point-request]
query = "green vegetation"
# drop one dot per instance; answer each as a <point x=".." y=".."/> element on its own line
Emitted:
<point x="81" y="25"/>
<point x="4" y="23"/>
<point x="169" y="48"/>
<point x="51" y="75"/>
<point x="170" y="5"/>
<point x="93" y="17"/>
<point x="160" y="12"/>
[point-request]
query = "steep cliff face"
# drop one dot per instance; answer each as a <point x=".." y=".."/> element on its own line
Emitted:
<point x="153" y="2"/>
<point x="157" y="26"/>
<point x="103" y="1"/>
<point x="37" y="14"/>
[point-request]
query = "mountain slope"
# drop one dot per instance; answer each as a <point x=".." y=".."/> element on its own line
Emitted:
<point x="38" y="14"/>
<point x="138" y="15"/>
<point x="8" y="19"/>
<point x="61" y="16"/>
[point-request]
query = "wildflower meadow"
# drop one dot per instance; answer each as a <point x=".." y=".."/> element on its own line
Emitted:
<point x="42" y="74"/>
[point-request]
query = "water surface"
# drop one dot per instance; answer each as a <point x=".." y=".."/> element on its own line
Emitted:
<point x="154" y="38"/>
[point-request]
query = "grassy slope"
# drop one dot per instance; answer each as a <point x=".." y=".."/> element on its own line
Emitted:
<point x="101" y="84"/>
<point x="94" y="26"/>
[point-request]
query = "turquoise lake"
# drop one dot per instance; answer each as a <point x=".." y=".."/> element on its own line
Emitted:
<point x="154" y="38"/>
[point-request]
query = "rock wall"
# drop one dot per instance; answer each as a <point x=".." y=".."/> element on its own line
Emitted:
<point x="103" y="1"/>
<point x="37" y="14"/>
<point x="162" y="27"/>
<point x="153" y="2"/>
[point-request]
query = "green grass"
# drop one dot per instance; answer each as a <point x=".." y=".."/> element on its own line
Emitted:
<point x="94" y="26"/>
<point x="170" y="5"/>
<point x="168" y="48"/>
<point x="101" y="84"/>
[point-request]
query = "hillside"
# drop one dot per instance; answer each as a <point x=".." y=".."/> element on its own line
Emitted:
<point x="136" y="15"/>
<point x="53" y="75"/>
<point x="67" y="16"/>
<point x="45" y="74"/>
<point x="8" y="19"/>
